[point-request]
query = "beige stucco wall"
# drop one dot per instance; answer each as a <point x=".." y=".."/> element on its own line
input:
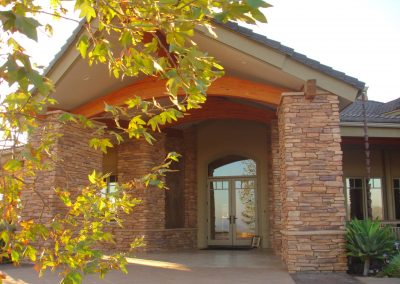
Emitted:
<point x="220" y="138"/>
<point x="354" y="160"/>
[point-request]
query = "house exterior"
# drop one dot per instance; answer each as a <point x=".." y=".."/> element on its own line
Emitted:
<point x="268" y="155"/>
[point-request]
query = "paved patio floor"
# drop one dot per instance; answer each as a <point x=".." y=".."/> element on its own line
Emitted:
<point x="199" y="266"/>
<point x="192" y="267"/>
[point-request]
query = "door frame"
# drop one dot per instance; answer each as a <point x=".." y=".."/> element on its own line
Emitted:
<point x="232" y="241"/>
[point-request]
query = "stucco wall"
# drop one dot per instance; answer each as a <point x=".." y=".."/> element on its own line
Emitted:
<point x="216" y="139"/>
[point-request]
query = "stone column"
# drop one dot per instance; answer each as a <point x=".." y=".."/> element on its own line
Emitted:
<point x="71" y="162"/>
<point x="190" y="160"/>
<point x="313" y="211"/>
<point x="275" y="203"/>
<point x="135" y="159"/>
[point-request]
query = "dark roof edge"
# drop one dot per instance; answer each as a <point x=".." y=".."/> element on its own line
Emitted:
<point x="290" y="52"/>
<point x="301" y="58"/>
<point x="65" y="47"/>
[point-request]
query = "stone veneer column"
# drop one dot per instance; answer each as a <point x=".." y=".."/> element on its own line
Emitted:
<point x="190" y="160"/>
<point x="148" y="220"/>
<point x="275" y="204"/>
<point x="74" y="161"/>
<point x="135" y="159"/>
<point x="311" y="183"/>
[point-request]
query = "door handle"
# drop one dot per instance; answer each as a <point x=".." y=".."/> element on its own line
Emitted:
<point x="234" y="219"/>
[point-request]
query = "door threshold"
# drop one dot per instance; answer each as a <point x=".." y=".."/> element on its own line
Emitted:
<point x="227" y="247"/>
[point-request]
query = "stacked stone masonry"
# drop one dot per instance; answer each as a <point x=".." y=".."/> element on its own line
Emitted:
<point x="313" y="212"/>
<point x="275" y="204"/>
<point x="75" y="160"/>
<point x="136" y="158"/>
<point x="71" y="161"/>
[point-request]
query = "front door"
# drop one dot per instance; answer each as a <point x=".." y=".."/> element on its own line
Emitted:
<point x="232" y="211"/>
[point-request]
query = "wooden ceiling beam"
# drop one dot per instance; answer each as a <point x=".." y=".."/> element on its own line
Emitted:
<point x="154" y="88"/>
<point x="216" y="108"/>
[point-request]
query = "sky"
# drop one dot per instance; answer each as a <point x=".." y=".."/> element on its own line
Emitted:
<point x="358" y="37"/>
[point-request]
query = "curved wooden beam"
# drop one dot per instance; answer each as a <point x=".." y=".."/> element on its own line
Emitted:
<point x="220" y="108"/>
<point x="215" y="108"/>
<point x="154" y="88"/>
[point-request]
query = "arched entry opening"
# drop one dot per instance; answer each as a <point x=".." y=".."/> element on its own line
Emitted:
<point x="232" y="204"/>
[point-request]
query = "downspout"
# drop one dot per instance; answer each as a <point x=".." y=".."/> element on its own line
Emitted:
<point x="367" y="153"/>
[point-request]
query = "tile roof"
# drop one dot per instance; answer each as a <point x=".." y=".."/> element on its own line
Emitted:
<point x="377" y="112"/>
<point x="295" y="55"/>
<point x="249" y="34"/>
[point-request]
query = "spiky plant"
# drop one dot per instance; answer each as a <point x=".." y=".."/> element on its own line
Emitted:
<point x="368" y="240"/>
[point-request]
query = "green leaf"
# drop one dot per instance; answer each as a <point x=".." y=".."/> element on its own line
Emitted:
<point x="72" y="278"/>
<point x="259" y="16"/>
<point x="27" y="26"/>
<point x="126" y="38"/>
<point x="4" y="236"/>
<point x="66" y="116"/>
<point x="256" y="3"/>
<point x="8" y="20"/>
<point x="86" y="9"/>
<point x="31" y="253"/>
<point x="14" y="256"/>
<point x="12" y="165"/>
<point x="93" y="177"/>
<point x="168" y="2"/>
<point x="83" y="45"/>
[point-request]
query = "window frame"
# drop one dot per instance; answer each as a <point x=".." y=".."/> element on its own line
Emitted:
<point x="364" y="196"/>
<point x="393" y="198"/>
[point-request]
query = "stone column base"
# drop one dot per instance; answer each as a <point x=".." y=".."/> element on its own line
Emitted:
<point x="322" y="251"/>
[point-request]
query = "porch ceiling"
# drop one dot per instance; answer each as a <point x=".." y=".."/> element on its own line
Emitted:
<point x="217" y="108"/>
<point x="77" y="84"/>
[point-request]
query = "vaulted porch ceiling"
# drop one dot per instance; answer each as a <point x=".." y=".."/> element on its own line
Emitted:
<point x="262" y="68"/>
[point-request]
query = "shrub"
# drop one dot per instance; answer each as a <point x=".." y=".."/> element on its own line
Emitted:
<point x="393" y="268"/>
<point x="368" y="240"/>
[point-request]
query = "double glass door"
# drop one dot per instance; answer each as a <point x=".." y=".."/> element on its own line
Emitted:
<point x="232" y="211"/>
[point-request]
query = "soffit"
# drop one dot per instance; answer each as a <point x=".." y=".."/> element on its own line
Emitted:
<point x="77" y="83"/>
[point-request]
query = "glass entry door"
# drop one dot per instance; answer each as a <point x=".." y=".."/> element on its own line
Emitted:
<point x="232" y="211"/>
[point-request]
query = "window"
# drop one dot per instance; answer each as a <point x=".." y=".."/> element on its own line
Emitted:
<point x="232" y="165"/>
<point x="111" y="186"/>
<point x="354" y="194"/>
<point x="396" y="192"/>
<point x="376" y="198"/>
<point x="357" y="198"/>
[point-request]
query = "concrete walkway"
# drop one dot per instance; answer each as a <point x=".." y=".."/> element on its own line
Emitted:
<point x="374" y="280"/>
<point x="199" y="266"/>
<point x="192" y="267"/>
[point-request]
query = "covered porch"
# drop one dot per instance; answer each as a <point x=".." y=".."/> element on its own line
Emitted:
<point x="382" y="199"/>
<point x="274" y="107"/>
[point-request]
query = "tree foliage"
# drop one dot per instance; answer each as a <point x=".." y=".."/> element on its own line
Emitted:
<point x="154" y="38"/>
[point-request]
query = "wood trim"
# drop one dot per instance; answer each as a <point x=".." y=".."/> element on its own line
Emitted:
<point x="154" y="88"/>
<point x="372" y="141"/>
<point x="220" y="108"/>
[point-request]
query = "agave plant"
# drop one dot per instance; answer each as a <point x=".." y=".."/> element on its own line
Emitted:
<point x="368" y="240"/>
